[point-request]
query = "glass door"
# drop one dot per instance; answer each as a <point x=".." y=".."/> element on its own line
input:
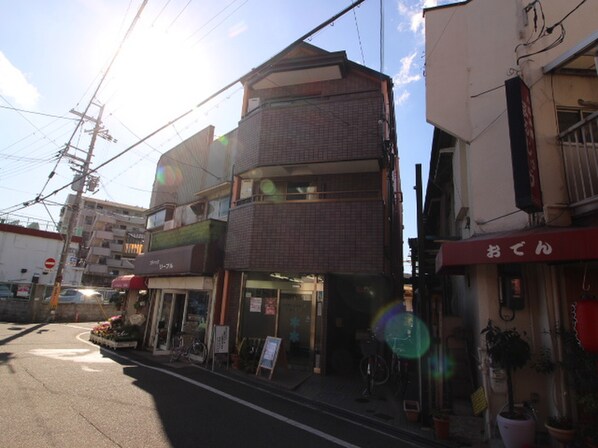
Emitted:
<point x="295" y="326"/>
<point x="170" y="319"/>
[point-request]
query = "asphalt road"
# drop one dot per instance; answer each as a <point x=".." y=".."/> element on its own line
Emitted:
<point x="59" y="390"/>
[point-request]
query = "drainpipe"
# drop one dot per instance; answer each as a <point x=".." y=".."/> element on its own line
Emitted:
<point x="224" y="303"/>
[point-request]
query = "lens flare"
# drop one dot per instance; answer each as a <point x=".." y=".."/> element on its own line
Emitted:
<point x="224" y="140"/>
<point x="169" y="175"/>
<point x="404" y="332"/>
<point x="440" y="370"/>
<point x="268" y="187"/>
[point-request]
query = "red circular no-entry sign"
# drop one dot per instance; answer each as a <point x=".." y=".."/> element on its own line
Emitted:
<point x="49" y="263"/>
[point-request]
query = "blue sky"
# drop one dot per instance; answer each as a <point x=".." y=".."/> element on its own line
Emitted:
<point x="53" y="55"/>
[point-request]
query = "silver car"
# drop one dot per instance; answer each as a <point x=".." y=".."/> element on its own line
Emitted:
<point x="5" y="292"/>
<point x="72" y="295"/>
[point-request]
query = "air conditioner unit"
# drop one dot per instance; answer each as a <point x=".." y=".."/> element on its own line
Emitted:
<point x="253" y="103"/>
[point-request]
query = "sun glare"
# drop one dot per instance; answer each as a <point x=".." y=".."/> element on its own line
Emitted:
<point x="156" y="76"/>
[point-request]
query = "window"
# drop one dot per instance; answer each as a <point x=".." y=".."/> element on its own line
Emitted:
<point x="569" y="117"/>
<point x="88" y="220"/>
<point x="218" y="208"/>
<point x="156" y="219"/>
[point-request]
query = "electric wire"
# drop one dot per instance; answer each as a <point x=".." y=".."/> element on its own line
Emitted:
<point x="178" y="15"/>
<point x="359" y="37"/>
<point x="37" y="113"/>
<point x="323" y="25"/>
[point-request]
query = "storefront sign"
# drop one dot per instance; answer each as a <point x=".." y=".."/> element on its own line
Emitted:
<point x="524" y="158"/>
<point x="180" y="260"/>
<point x="540" y="245"/>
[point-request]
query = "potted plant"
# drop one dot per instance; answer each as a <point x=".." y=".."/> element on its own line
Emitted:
<point x="560" y="429"/>
<point x="411" y="409"/>
<point x="509" y="350"/>
<point x="442" y="423"/>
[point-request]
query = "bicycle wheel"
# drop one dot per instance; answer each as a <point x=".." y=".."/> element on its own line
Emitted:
<point x="177" y="348"/>
<point x="198" y="352"/>
<point x="380" y="372"/>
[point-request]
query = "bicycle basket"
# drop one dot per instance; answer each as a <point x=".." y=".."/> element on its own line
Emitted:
<point x="369" y="347"/>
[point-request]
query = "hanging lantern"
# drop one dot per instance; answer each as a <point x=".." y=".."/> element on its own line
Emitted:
<point x="585" y="321"/>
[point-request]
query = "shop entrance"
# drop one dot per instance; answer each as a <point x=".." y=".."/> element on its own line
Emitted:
<point x="170" y="318"/>
<point x="295" y="327"/>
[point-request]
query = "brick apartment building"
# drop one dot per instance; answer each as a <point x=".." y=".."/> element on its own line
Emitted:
<point x="314" y="238"/>
<point x="304" y="193"/>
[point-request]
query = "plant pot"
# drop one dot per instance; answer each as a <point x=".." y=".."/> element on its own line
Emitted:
<point x="562" y="436"/>
<point x="442" y="428"/>
<point x="411" y="409"/>
<point x="516" y="433"/>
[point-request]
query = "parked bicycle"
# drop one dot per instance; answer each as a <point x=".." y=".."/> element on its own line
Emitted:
<point x="372" y="366"/>
<point x="399" y="367"/>
<point x="194" y="350"/>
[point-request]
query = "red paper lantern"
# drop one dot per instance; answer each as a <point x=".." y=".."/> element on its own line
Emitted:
<point x="585" y="320"/>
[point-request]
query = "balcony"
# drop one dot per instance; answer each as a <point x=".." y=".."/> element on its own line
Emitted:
<point x="208" y="231"/>
<point x="99" y="251"/>
<point x="100" y="235"/>
<point x="580" y="156"/>
<point x="340" y="232"/>
<point x="97" y="269"/>
<point x="301" y="131"/>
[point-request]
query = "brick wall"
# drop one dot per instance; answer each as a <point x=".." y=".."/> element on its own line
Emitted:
<point x="311" y="131"/>
<point x="316" y="237"/>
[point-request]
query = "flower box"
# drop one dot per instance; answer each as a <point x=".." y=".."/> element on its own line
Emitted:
<point x="111" y="343"/>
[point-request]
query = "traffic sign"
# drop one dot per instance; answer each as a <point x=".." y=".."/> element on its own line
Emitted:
<point x="49" y="263"/>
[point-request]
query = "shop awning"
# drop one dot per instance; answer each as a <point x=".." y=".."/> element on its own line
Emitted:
<point x="129" y="282"/>
<point x="541" y="245"/>
<point x="184" y="260"/>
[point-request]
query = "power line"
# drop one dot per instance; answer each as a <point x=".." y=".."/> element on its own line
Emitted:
<point x="36" y="113"/>
<point x="200" y="104"/>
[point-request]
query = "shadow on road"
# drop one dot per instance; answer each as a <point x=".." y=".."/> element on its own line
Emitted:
<point x="24" y="332"/>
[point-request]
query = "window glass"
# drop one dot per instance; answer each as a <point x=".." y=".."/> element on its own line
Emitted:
<point x="156" y="220"/>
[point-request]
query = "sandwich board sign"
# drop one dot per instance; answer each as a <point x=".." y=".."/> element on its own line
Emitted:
<point x="269" y="355"/>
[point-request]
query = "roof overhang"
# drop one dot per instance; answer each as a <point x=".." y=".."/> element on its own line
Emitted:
<point x="578" y="60"/>
<point x="540" y="245"/>
<point x="300" y="71"/>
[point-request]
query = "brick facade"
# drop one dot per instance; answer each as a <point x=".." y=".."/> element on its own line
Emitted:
<point x="311" y="130"/>
<point x="322" y="237"/>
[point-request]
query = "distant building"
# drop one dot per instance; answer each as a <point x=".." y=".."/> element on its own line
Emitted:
<point x="112" y="234"/>
<point x="30" y="257"/>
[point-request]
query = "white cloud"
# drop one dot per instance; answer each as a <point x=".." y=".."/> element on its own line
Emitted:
<point x="407" y="75"/>
<point x="14" y="84"/>
<point x="402" y="98"/>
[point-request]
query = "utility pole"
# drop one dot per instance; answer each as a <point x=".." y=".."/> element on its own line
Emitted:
<point x="79" y="185"/>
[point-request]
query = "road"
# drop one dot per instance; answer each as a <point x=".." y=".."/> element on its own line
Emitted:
<point x="59" y="390"/>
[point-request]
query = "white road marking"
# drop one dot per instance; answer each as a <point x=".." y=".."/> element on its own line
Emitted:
<point x="244" y="403"/>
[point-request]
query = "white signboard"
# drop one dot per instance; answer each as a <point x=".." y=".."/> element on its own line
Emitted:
<point x="221" y="339"/>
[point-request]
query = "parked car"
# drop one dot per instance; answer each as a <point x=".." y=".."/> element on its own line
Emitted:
<point x="72" y="295"/>
<point x="5" y="292"/>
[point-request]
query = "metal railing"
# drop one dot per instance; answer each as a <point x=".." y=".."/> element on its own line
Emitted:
<point x="580" y="156"/>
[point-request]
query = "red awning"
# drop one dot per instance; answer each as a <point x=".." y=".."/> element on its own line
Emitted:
<point x="545" y="244"/>
<point x="129" y="282"/>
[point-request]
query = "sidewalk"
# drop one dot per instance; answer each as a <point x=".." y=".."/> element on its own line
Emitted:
<point x="342" y="395"/>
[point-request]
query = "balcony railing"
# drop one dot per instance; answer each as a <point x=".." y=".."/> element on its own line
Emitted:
<point x="580" y="156"/>
<point x="315" y="196"/>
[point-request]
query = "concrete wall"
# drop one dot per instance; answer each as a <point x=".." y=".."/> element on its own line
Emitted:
<point x="24" y="311"/>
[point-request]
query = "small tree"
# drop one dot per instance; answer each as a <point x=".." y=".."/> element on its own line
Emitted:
<point x="508" y="350"/>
